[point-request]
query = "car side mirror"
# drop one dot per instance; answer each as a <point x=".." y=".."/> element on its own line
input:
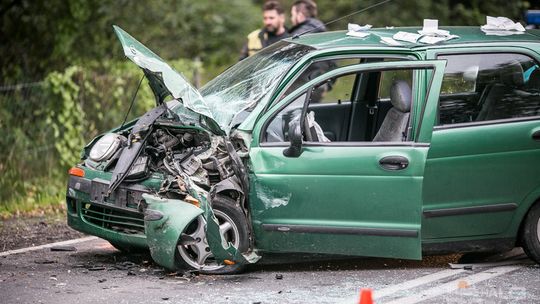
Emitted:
<point x="295" y="137"/>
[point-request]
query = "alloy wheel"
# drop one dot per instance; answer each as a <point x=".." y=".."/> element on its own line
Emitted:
<point x="194" y="248"/>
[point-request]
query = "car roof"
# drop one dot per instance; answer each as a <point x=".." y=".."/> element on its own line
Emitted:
<point x="467" y="35"/>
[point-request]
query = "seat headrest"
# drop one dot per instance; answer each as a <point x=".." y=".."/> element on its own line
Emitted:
<point x="512" y="74"/>
<point x="400" y="96"/>
<point x="534" y="80"/>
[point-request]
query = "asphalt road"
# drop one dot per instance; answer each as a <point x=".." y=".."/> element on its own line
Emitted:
<point x="97" y="273"/>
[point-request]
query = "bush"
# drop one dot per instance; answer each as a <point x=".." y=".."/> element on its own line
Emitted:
<point x="46" y="125"/>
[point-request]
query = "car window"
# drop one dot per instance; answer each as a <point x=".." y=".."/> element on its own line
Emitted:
<point x="389" y="77"/>
<point x="241" y="88"/>
<point x="278" y="129"/>
<point x="485" y="87"/>
<point x="320" y="67"/>
<point x="336" y="114"/>
<point x="334" y="90"/>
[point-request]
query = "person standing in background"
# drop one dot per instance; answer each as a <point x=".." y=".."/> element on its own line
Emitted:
<point x="304" y="18"/>
<point x="274" y="29"/>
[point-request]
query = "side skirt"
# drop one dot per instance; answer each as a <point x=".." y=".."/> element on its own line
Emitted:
<point x="491" y="245"/>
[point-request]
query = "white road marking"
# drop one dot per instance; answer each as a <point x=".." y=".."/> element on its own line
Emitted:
<point x="455" y="285"/>
<point x="377" y="294"/>
<point x="380" y="293"/>
<point x="70" y="242"/>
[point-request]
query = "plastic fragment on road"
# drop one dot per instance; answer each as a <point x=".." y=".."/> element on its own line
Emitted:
<point x="501" y="26"/>
<point x="514" y="257"/>
<point x="359" y="31"/>
<point x="63" y="248"/>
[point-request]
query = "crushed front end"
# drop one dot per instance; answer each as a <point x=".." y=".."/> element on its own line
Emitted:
<point x="145" y="185"/>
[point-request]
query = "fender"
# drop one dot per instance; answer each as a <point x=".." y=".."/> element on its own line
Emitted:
<point x="222" y="251"/>
<point x="164" y="221"/>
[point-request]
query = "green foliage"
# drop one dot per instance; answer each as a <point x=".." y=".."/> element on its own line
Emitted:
<point x="46" y="126"/>
<point x="65" y="114"/>
<point x="84" y="84"/>
<point x="211" y="30"/>
<point x="43" y="36"/>
<point x="412" y="12"/>
<point x="474" y="12"/>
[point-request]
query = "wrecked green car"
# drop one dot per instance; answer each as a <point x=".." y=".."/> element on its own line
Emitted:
<point x="325" y="143"/>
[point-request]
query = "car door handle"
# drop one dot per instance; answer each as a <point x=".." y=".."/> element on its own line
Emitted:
<point x="394" y="162"/>
<point x="536" y="135"/>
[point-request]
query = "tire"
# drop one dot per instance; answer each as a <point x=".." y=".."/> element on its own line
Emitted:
<point x="530" y="237"/>
<point x="229" y="216"/>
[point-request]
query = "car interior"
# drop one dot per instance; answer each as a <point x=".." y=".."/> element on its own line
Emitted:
<point x="501" y="88"/>
<point x="359" y="107"/>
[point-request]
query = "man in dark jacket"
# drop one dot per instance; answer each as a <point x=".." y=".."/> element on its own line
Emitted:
<point x="304" y="18"/>
<point x="273" y="30"/>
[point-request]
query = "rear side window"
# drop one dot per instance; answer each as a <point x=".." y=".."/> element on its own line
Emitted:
<point x="484" y="87"/>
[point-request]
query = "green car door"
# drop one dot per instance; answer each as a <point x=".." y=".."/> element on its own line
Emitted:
<point x="481" y="175"/>
<point x="344" y="196"/>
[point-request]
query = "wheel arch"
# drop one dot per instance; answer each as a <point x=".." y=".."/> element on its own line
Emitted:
<point x="520" y="215"/>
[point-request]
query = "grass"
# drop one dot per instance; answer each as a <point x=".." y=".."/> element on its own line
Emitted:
<point x="41" y="196"/>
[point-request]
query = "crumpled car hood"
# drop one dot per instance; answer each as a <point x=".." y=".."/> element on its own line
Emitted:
<point x="164" y="80"/>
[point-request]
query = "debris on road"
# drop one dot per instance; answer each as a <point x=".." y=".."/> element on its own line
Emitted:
<point x="124" y="265"/>
<point x="45" y="261"/>
<point x="516" y="256"/>
<point x="63" y="248"/>
<point x="463" y="284"/>
<point x="279" y="276"/>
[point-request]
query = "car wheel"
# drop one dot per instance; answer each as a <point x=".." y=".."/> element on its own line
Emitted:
<point x="530" y="236"/>
<point x="193" y="251"/>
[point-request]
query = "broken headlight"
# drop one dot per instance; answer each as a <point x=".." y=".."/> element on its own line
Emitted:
<point x="105" y="147"/>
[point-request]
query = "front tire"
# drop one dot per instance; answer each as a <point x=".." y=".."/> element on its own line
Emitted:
<point x="193" y="251"/>
<point x="530" y="237"/>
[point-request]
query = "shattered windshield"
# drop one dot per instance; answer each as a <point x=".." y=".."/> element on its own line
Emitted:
<point x="250" y="82"/>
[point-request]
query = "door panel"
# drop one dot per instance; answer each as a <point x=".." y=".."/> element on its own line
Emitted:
<point x="483" y="161"/>
<point x="352" y="198"/>
<point x="479" y="166"/>
<point x="324" y="188"/>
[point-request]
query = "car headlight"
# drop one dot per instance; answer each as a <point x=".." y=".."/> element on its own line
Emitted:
<point x="105" y="147"/>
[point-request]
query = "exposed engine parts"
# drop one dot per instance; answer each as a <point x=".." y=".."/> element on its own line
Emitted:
<point x="205" y="160"/>
<point x="174" y="153"/>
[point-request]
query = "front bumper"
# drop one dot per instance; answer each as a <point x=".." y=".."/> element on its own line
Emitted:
<point x="122" y="226"/>
<point x="122" y="221"/>
<point x="158" y="228"/>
